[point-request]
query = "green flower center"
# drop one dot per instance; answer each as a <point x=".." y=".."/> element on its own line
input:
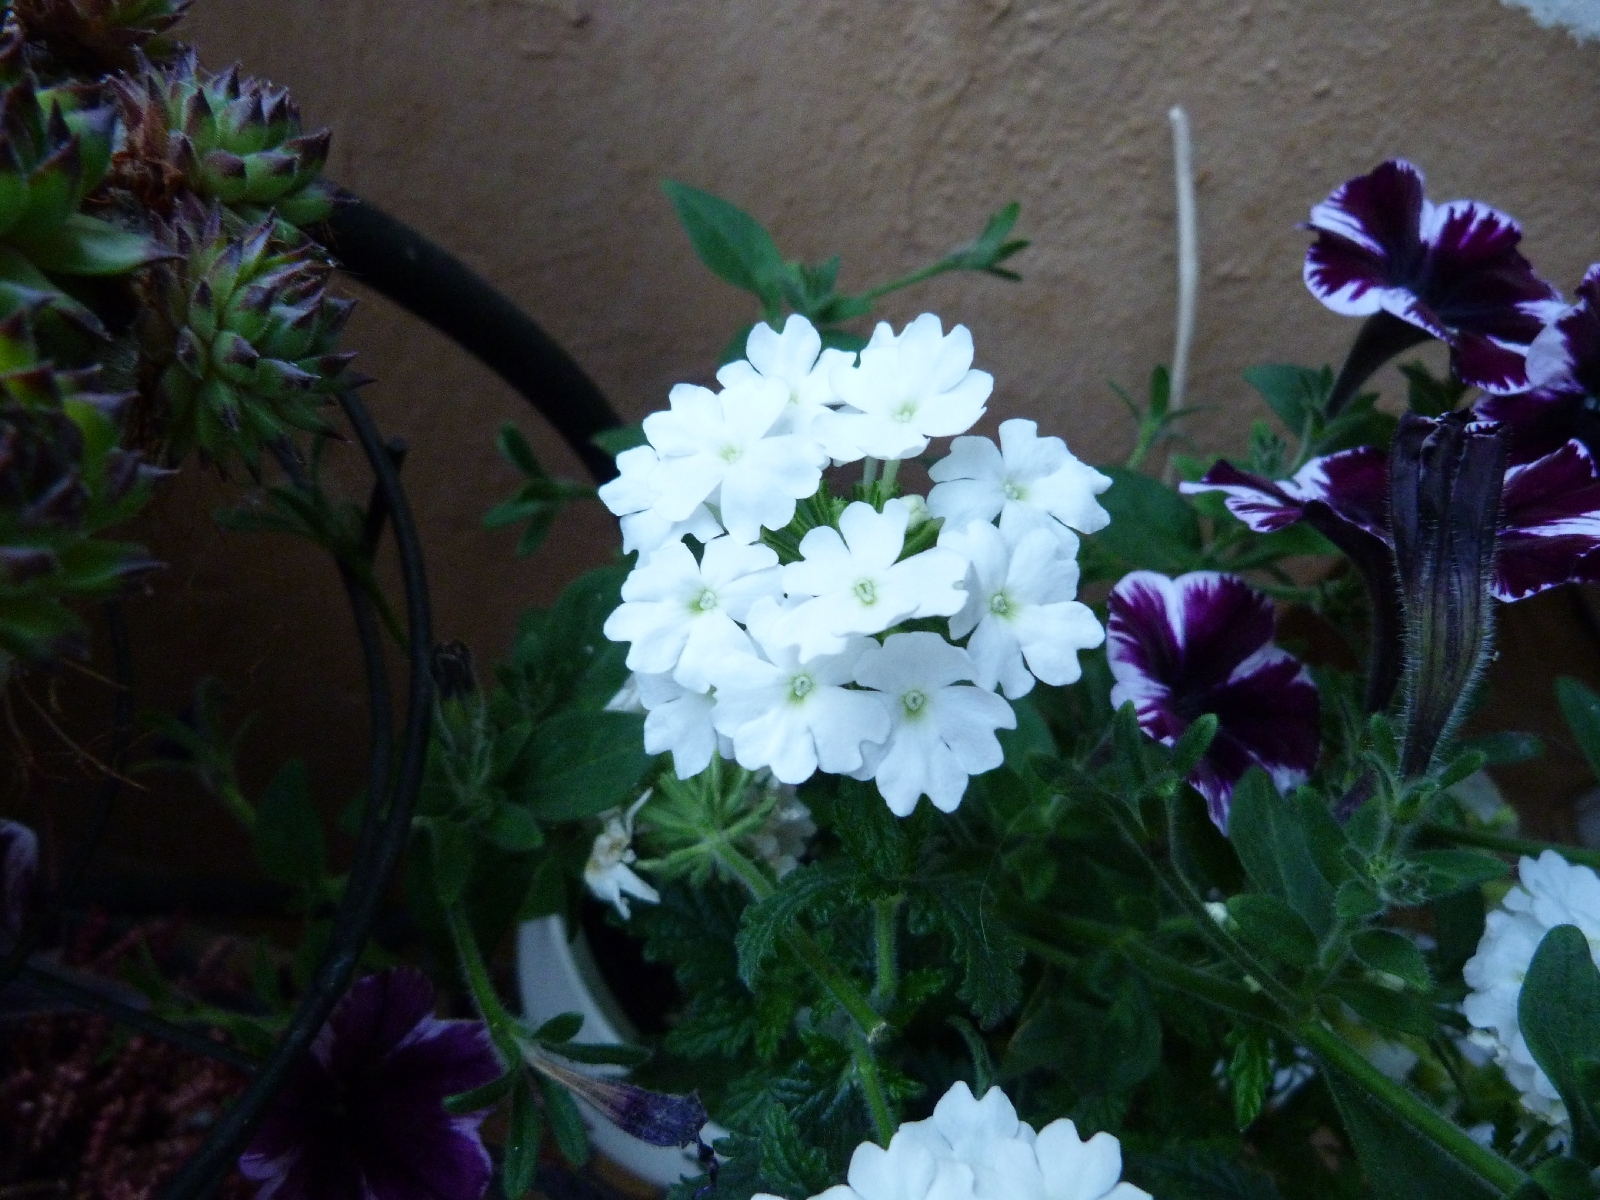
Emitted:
<point x="866" y="591"/>
<point x="1014" y="490"/>
<point x="914" y="702"/>
<point x="731" y="454"/>
<point x="1000" y="604"/>
<point x="801" y="686"/>
<point x="705" y="602"/>
<point x="904" y="411"/>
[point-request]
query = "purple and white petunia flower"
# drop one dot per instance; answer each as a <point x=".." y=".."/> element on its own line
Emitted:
<point x="19" y="863"/>
<point x="1451" y="270"/>
<point x="362" y="1116"/>
<point x="1202" y="643"/>
<point x="1549" y="524"/>
<point x="1549" y="531"/>
<point x="1566" y="354"/>
<point x="1353" y="483"/>
<point x="1541" y="420"/>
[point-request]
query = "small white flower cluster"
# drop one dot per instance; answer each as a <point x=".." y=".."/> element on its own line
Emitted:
<point x="609" y="872"/>
<point x="1551" y="891"/>
<point x="974" y="1149"/>
<point x="799" y="667"/>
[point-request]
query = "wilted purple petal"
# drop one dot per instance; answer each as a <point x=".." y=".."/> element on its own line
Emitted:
<point x="363" y="1116"/>
<point x="1453" y="270"/>
<point x="19" y="863"/>
<point x="659" y="1118"/>
<point x="1201" y="643"/>
<point x="1353" y="483"/>
<point x="1550" y="524"/>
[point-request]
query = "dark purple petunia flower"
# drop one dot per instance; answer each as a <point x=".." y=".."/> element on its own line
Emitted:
<point x="1452" y="271"/>
<point x="1354" y="484"/>
<point x="1202" y="643"/>
<point x="1542" y="420"/>
<point x="19" y="862"/>
<point x="363" y="1117"/>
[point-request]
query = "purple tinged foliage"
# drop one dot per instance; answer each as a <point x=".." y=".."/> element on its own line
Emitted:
<point x="19" y="863"/>
<point x="363" y="1118"/>
<point x="1451" y="270"/>
<point x="1202" y="643"/>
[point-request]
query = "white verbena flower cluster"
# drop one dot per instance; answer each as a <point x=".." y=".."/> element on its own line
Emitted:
<point x="973" y="1149"/>
<point x="799" y="666"/>
<point x="1551" y="891"/>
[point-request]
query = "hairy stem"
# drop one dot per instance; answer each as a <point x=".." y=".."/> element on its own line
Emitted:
<point x="1504" y="844"/>
<point x="884" y="913"/>
<point x="872" y="1089"/>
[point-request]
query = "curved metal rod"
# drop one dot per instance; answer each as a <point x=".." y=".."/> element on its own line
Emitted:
<point x="383" y="836"/>
<point x="425" y="279"/>
<point x="110" y="788"/>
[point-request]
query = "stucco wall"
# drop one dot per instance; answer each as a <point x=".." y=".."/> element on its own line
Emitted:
<point x="530" y="136"/>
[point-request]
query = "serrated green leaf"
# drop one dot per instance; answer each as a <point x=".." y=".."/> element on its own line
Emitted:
<point x="1249" y="1075"/>
<point x="764" y="922"/>
<point x="987" y="951"/>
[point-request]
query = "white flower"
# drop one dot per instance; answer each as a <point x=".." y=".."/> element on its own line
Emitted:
<point x="796" y="359"/>
<point x="1020" y="610"/>
<point x="786" y="833"/>
<point x="941" y="733"/>
<point x="715" y="446"/>
<point x="632" y="495"/>
<point x="1552" y="892"/>
<point x="1028" y="482"/>
<point x="853" y="583"/>
<point x="607" y="872"/>
<point x="907" y="389"/>
<point x="979" y="1149"/>
<point x="679" y="723"/>
<point x="626" y="699"/>
<point x="793" y="717"/>
<point x="680" y="614"/>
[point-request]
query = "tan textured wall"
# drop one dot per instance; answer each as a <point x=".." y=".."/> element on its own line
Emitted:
<point x="530" y="135"/>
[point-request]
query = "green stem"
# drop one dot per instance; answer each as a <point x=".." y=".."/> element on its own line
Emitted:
<point x="1503" y="844"/>
<point x="502" y="1025"/>
<point x="869" y="471"/>
<point x="905" y="281"/>
<point x="1415" y="1112"/>
<point x="805" y="947"/>
<point x="884" y="912"/>
<point x="891" y="472"/>
<point x="872" y="1089"/>
<point x="233" y="800"/>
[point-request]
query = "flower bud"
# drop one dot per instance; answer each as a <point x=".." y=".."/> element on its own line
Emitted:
<point x="1446" y="478"/>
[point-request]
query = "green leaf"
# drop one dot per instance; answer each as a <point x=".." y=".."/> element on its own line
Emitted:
<point x="788" y="1164"/>
<point x="584" y="763"/>
<point x="1194" y="743"/>
<point x="84" y="245"/>
<point x="1249" y="1074"/>
<point x="1581" y="708"/>
<point x="622" y="437"/>
<point x="764" y="922"/>
<point x="619" y="1054"/>
<point x="480" y="1098"/>
<point x="1559" y="1013"/>
<point x="1393" y="954"/>
<point x="987" y="951"/>
<point x="1506" y="748"/>
<point x="1564" y="1178"/>
<point x="729" y="241"/>
<point x="1387" y="1009"/>
<point x="562" y="1027"/>
<point x="1268" y="833"/>
<point x="1453" y="870"/>
<point x="991" y="247"/>
<point x="566" y="1122"/>
<point x="288" y="833"/>
<point x="1428" y="394"/>
<point x="452" y="859"/>
<point x="524" y="1131"/>
<point x="1152" y="526"/>
<point x="1293" y="393"/>
<point x="1400" y="1164"/>
<point x="513" y="828"/>
<point x="1275" y="927"/>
